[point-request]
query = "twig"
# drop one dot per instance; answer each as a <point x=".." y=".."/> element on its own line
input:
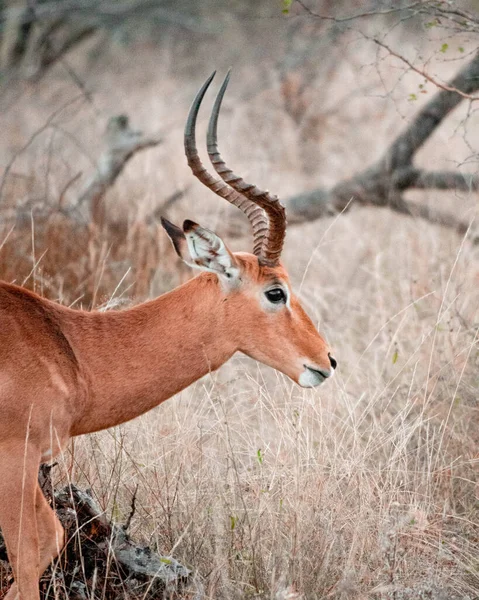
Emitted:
<point x="439" y="84"/>
<point x="371" y="13"/>
<point x="168" y="203"/>
<point x="126" y="526"/>
<point x="77" y="80"/>
<point x="32" y="138"/>
<point x="383" y="183"/>
<point x="122" y="143"/>
<point x="67" y="187"/>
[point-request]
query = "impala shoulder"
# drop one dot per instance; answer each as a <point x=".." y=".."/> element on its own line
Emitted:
<point x="36" y="319"/>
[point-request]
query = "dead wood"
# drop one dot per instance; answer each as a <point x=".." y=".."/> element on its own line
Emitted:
<point x="121" y="144"/>
<point x="384" y="183"/>
<point x="101" y="560"/>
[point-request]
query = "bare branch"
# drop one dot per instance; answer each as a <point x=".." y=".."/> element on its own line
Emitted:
<point x="122" y="143"/>
<point x="430" y="116"/>
<point x="371" y="13"/>
<point x="383" y="183"/>
<point x="463" y="20"/>
<point x="48" y="123"/>
<point x="439" y="84"/>
<point x="50" y="56"/>
<point x="439" y="180"/>
<point x="73" y="180"/>
<point x="321" y="203"/>
<point x="126" y="526"/>
<point x="160" y="210"/>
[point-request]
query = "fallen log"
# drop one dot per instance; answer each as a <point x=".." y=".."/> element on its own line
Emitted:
<point x="101" y="560"/>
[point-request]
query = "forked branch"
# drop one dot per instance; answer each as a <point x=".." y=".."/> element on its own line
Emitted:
<point x="122" y="143"/>
<point x="384" y="183"/>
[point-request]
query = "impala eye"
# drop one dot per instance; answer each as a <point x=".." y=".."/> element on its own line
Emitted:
<point x="276" y="295"/>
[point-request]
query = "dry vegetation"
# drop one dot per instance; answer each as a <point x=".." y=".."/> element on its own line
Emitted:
<point x="365" y="488"/>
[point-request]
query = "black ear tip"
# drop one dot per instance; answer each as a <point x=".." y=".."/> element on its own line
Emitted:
<point x="189" y="226"/>
<point x="171" y="229"/>
<point x="165" y="222"/>
<point x="168" y="225"/>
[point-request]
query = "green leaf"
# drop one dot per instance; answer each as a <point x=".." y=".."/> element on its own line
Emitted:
<point x="461" y="49"/>
<point x="395" y="357"/>
<point x="259" y="456"/>
<point x="286" y="6"/>
<point x="167" y="561"/>
<point x="444" y="48"/>
<point x="233" y="521"/>
<point x="412" y="97"/>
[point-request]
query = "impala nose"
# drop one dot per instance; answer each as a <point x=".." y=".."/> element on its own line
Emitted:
<point x="333" y="361"/>
<point x="313" y="376"/>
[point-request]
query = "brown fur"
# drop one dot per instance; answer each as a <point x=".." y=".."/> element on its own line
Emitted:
<point x="66" y="372"/>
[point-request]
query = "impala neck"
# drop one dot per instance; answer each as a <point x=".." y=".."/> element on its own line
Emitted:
<point x="135" y="359"/>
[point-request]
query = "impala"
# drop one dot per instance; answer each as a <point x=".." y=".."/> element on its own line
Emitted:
<point x="67" y="372"/>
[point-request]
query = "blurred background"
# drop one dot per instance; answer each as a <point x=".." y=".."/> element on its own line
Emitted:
<point x="367" y="487"/>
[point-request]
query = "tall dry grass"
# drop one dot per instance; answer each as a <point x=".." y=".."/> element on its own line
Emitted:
<point x="365" y="488"/>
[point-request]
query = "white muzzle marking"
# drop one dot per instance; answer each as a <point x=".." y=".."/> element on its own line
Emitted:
<point x="311" y="377"/>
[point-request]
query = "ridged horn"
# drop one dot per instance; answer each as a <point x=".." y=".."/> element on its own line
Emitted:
<point x="253" y="211"/>
<point x="268" y="241"/>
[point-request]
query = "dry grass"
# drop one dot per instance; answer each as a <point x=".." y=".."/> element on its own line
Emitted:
<point x="365" y="488"/>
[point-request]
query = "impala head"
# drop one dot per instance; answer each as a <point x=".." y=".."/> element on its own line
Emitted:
<point x="264" y="317"/>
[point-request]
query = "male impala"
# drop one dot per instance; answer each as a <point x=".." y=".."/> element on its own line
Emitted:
<point x="65" y="372"/>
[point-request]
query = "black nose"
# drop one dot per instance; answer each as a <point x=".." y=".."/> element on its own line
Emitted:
<point x="333" y="361"/>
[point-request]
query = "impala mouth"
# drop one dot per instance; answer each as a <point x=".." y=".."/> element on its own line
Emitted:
<point x="313" y="376"/>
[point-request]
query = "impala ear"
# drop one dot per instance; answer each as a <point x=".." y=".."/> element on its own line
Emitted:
<point x="201" y="248"/>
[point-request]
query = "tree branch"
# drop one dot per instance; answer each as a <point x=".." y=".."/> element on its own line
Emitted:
<point x="438" y="84"/>
<point x="439" y="180"/>
<point x="431" y="115"/>
<point x="122" y="143"/>
<point x="383" y="183"/>
<point x="361" y="15"/>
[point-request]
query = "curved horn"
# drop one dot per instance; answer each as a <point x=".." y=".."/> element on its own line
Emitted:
<point x="269" y="241"/>
<point x="255" y="214"/>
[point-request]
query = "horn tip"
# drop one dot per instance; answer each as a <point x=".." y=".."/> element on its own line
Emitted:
<point x="227" y="78"/>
